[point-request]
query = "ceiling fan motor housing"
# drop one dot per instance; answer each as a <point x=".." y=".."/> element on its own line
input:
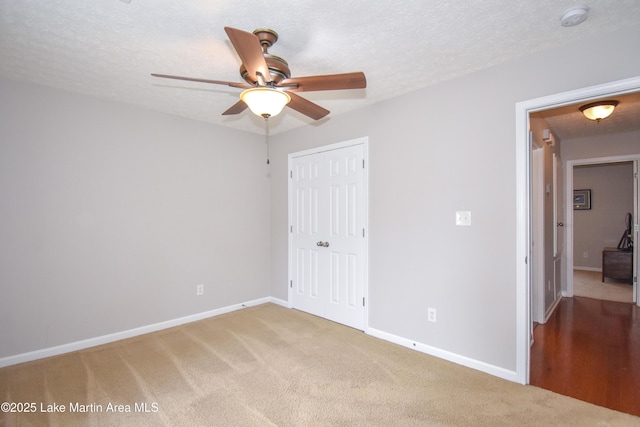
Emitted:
<point x="278" y="70"/>
<point x="278" y="67"/>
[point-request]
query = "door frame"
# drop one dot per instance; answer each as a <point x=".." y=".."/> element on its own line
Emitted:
<point x="634" y="159"/>
<point x="523" y="201"/>
<point x="537" y="237"/>
<point x="364" y="141"/>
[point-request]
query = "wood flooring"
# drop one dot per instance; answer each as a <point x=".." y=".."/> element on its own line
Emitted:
<point x="590" y="350"/>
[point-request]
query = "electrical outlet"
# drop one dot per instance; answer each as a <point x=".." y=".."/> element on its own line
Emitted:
<point x="463" y="218"/>
<point x="200" y="289"/>
<point x="431" y="314"/>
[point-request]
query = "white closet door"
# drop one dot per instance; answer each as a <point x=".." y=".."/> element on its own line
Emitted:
<point x="328" y="245"/>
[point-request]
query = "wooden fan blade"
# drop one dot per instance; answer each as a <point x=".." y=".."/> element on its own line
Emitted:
<point x="355" y="80"/>
<point x="248" y="47"/>
<point x="306" y="107"/>
<point x="193" y="79"/>
<point x="236" y="108"/>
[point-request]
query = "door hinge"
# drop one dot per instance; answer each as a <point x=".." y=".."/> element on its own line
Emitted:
<point x="635" y="279"/>
<point x="290" y="174"/>
<point x="362" y="163"/>
<point x="363" y="301"/>
<point x="363" y="232"/>
<point x="291" y="283"/>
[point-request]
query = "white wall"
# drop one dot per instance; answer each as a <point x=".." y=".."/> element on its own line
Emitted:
<point x="111" y="215"/>
<point x="440" y="149"/>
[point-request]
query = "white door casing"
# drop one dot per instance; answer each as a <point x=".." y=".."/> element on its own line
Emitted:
<point x="327" y="232"/>
<point x="537" y="237"/>
<point x="571" y="164"/>
<point x="558" y="240"/>
<point x="523" y="205"/>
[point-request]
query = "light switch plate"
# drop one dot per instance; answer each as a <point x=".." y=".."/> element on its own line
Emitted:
<point x="463" y="218"/>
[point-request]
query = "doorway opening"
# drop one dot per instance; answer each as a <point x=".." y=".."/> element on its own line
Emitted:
<point x="579" y="330"/>
<point x="615" y="179"/>
<point x="524" y="197"/>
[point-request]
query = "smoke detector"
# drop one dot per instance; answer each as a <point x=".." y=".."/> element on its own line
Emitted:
<point x="574" y="16"/>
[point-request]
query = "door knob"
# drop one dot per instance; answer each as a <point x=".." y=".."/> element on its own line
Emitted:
<point x="323" y="244"/>
<point x="560" y="224"/>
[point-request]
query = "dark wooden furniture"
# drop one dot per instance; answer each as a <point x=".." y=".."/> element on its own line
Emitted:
<point x="617" y="264"/>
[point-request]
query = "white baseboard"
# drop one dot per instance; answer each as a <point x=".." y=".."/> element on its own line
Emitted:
<point x="279" y="302"/>
<point x="104" y="339"/>
<point x="575" y="267"/>
<point x="553" y="307"/>
<point x="446" y="355"/>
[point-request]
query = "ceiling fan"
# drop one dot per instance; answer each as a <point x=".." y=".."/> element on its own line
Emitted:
<point x="269" y="75"/>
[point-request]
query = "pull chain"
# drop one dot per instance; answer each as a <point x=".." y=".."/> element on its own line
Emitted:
<point x="266" y="134"/>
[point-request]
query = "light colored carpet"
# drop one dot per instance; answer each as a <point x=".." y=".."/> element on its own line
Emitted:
<point x="589" y="284"/>
<point x="272" y="366"/>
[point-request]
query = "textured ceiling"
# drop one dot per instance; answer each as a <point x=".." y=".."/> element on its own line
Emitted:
<point x="568" y="122"/>
<point x="108" y="48"/>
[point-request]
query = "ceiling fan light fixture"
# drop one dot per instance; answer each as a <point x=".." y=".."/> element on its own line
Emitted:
<point x="598" y="110"/>
<point x="265" y="101"/>
<point x="269" y="78"/>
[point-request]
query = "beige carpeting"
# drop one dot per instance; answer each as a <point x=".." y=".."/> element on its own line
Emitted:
<point x="589" y="284"/>
<point x="272" y="366"/>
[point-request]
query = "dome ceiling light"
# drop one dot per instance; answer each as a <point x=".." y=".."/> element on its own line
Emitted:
<point x="264" y="101"/>
<point x="598" y="110"/>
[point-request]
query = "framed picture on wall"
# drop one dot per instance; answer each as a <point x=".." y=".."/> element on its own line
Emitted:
<point x="581" y="200"/>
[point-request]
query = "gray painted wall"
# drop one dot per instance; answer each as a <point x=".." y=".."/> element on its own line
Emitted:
<point x="618" y="144"/>
<point x="440" y="149"/>
<point x="111" y="215"/>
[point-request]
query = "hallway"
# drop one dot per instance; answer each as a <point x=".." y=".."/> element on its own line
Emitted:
<point x="590" y="350"/>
